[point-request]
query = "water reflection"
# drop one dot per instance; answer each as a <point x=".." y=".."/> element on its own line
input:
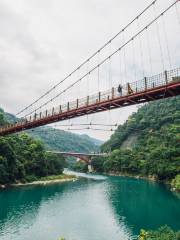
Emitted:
<point x="143" y="204"/>
<point x="19" y="206"/>
<point x="78" y="210"/>
<point x="96" y="207"/>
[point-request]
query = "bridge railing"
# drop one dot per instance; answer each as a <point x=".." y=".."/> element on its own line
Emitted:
<point x="144" y="84"/>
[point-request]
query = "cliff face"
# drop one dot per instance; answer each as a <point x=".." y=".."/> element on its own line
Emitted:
<point x="152" y="118"/>
<point x="130" y="141"/>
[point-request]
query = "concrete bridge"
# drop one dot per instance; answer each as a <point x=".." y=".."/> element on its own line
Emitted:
<point x="86" y="157"/>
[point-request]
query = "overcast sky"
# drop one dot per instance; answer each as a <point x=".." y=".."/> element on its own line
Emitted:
<point x="43" y="40"/>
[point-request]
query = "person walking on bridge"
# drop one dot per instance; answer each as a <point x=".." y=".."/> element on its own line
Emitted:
<point x="130" y="91"/>
<point x="120" y="90"/>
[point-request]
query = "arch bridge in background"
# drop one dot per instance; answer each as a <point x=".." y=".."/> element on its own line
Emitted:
<point x="85" y="157"/>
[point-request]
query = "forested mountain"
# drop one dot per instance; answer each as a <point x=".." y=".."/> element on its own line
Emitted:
<point x="148" y="143"/>
<point x="153" y="120"/>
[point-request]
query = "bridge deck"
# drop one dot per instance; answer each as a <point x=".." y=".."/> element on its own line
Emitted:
<point x="78" y="154"/>
<point x="160" y="86"/>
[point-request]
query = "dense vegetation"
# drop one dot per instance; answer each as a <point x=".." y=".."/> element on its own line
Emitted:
<point x="163" y="233"/>
<point x="79" y="167"/>
<point x="23" y="158"/>
<point x="175" y="183"/>
<point x="147" y="144"/>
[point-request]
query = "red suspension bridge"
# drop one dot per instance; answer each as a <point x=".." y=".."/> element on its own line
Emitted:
<point x="149" y="88"/>
<point x="164" y="85"/>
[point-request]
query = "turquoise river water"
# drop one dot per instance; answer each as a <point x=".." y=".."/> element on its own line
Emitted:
<point x="92" y="208"/>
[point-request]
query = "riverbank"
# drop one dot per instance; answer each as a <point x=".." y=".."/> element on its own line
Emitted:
<point x="43" y="181"/>
<point x="174" y="184"/>
<point x="150" y="178"/>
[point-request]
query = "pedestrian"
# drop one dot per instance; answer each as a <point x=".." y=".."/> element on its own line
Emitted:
<point x="120" y="90"/>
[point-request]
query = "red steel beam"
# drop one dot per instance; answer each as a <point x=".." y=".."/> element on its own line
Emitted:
<point x="169" y="90"/>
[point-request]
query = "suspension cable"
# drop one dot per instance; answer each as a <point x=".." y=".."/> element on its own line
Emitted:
<point x="88" y="128"/>
<point x="149" y="52"/>
<point x="178" y="17"/>
<point x="55" y="126"/>
<point x="141" y="51"/>
<point x="75" y="129"/>
<point x="159" y="40"/>
<point x="85" y="124"/>
<point x="87" y="116"/>
<point x="88" y="59"/>
<point x="166" y="39"/>
<point x="105" y="59"/>
<point x="124" y="55"/>
<point x="133" y="60"/>
<point x="120" y="80"/>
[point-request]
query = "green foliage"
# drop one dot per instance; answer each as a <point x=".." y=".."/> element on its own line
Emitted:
<point x="175" y="183"/>
<point x="54" y="163"/>
<point x="148" y="120"/>
<point x="80" y="167"/>
<point x="156" y="151"/>
<point x="24" y="159"/>
<point x="163" y="233"/>
<point x="143" y="235"/>
<point x="2" y="118"/>
<point x="97" y="163"/>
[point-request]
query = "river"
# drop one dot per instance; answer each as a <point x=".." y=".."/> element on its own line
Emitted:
<point x="92" y="208"/>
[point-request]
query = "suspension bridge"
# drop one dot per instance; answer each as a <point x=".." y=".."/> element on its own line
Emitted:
<point x="97" y="85"/>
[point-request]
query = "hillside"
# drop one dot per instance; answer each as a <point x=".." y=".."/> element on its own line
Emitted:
<point x="60" y="140"/>
<point x="147" y="144"/>
<point x="151" y="119"/>
<point x="55" y="139"/>
<point x="24" y="159"/>
<point x="94" y="140"/>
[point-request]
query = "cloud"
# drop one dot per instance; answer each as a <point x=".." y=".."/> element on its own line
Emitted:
<point x="41" y="41"/>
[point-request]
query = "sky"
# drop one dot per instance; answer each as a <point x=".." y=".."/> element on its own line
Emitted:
<point x="41" y="41"/>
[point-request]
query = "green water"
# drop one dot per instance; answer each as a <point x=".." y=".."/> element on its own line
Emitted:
<point x="97" y="208"/>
